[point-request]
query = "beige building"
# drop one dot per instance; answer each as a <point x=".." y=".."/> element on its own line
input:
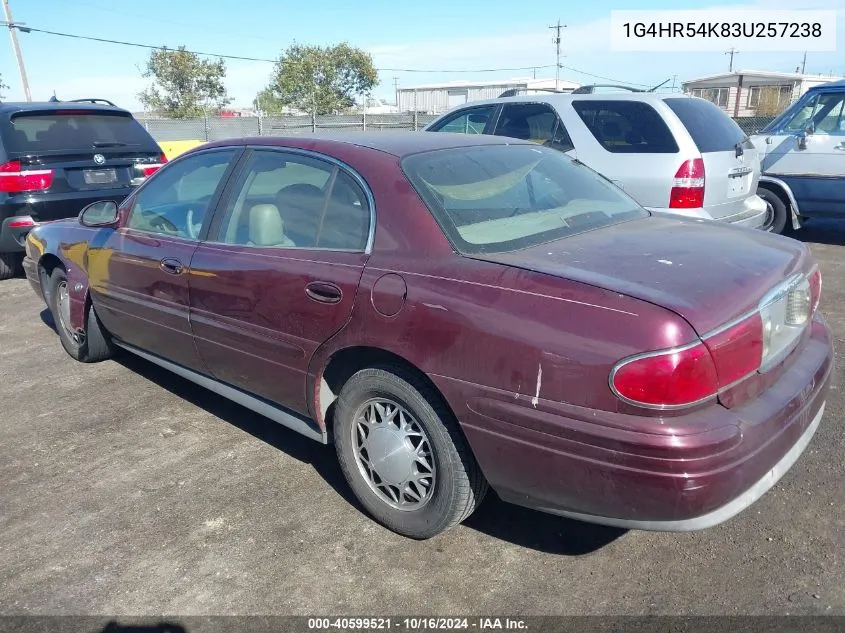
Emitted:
<point x="745" y="93"/>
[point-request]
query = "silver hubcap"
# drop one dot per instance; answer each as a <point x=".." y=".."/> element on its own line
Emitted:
<point x="394" y="454"/>
<point x="63" y="301"/>
<point x="770" y="217"/>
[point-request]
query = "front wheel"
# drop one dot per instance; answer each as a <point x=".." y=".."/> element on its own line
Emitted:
<point x="88" y="346"/>
<point x="403" y="454"/>
<point x="777" y="214"/>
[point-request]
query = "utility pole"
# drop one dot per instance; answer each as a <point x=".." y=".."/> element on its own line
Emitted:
<point x="557" y="27"/>
<point x="731" y="52"/>
<point x="804" y="63"/>
<point x="396" y="89"/>
<point x="16" y="47"/>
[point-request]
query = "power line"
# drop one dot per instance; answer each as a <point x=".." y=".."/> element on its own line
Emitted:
<point x="621" y="81"/>
<point x="27" y="29"/>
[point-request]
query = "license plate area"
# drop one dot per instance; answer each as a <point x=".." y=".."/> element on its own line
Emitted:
<point x="739" y="182"/>
<point x="100" y="176"/>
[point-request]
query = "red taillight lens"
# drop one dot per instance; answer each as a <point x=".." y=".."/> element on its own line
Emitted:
<point x="668" y="379"/>
<point x="20" y="222"/>
<point x="150" y="169"/>
<point x="15" y="180"/>
<point x="737" y="351"/>
<point x="688" y="186"/>
<point x="815" y="280"/>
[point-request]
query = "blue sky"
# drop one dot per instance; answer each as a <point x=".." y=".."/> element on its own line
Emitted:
<point x="435" y="34"/>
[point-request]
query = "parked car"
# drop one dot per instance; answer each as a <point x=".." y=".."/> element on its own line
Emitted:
<point x="454" y="311"/>
<point x="57" y="157"/>
<point x="672" y="153"/>
<point x="803" y="159"/>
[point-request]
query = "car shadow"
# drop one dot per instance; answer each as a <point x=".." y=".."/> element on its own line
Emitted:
<point x="47" y="319"/>
<point x="821" y="231"/>
<point x="161" y="627"/>
<point x="527" y="528"/>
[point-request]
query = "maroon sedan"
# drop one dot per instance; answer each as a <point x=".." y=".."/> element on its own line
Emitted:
<point x="455" y="311"/>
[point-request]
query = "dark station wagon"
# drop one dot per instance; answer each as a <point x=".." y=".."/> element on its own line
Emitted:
<point x="454" y="312"/>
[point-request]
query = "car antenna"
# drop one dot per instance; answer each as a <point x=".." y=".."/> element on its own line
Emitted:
<point x="658" y="85"/>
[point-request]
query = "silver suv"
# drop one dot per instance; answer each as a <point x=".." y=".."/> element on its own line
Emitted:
<point x="672" y="153"/>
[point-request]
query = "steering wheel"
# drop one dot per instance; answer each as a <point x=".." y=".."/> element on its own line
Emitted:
<point x="159" y="221"/>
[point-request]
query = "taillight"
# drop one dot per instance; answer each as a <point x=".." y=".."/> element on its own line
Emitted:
<point x="15" y="180"/>
<point x="688" y="186"/>
<point x="674" y="378"/>
<point x="20" y="222"/>
<point x="150" y="168"/>
<point x="738" y="350"/>
<point x="815" y="279"/>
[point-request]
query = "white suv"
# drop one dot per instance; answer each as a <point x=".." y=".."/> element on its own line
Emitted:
<point x="672" y="153"/>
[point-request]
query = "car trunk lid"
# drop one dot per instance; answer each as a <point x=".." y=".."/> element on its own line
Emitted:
<point x="707" y="273"/>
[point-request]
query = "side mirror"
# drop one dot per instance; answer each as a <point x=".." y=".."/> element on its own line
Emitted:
<point x="102" y="213"/>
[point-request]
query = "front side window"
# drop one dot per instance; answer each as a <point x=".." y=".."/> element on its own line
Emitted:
<point x="469" y="121"/>
<point x="829" y="117"/>
<point x="175" y="202"/>
<point x="499" y="198"/>
<point x="626" y="127"/>
<point x="293" y="201"/>
<point x="537" y="122"/>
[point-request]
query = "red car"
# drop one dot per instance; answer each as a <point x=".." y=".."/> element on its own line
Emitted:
<point x="454" y="312"/>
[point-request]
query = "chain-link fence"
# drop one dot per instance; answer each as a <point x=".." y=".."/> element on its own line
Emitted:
<point x="219" y="128"/>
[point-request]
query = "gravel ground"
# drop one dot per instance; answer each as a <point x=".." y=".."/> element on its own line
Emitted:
<point x="128" y="490"/>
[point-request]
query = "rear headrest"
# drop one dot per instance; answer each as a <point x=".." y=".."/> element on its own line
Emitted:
<point x="266" y="227"/>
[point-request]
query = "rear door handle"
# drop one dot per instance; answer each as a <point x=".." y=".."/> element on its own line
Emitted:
<point x="324" y="292"/>
<point x="840" y="147"/>
<point x="171" y="266"/>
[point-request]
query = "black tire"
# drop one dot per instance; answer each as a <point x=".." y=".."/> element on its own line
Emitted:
<point x="10" y="264"/>
<point x="778" y="217"/>
<point x="92" y="345"/>
<point x="459" y="486"/>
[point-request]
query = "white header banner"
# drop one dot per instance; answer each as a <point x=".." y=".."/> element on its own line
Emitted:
<point x="718" y="30"/>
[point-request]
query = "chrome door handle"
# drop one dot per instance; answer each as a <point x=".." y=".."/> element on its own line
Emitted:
<point x="171" y="266"/>
<point x="324" y="292"/>
<point x="840" y="147"/>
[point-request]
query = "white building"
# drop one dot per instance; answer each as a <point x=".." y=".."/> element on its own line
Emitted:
<point x="437" y="98"/>
<point x="738" y="93"/>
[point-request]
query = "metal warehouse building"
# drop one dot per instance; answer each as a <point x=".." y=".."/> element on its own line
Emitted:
<point x="437" y="98"/>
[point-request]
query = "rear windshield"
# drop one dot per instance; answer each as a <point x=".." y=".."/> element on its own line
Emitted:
<point x="498" y="198"/>
<point x="55" y="131"/>
<point x="708" y="125"/>
<point x="626" y="127"/>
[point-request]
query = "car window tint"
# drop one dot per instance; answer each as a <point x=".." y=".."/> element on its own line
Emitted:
<point x="32" y="132"/>
<point x="626" y="127"/>
<point x="505" y="197"/>
<point x="175" y="202"/>
<point x="469" y="121"/>
<point x="710" y="128"/>
<point x="281" y="201"/>
<point x="536" y="122"/>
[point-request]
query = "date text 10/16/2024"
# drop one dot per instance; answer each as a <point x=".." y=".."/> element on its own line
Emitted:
<point x="416" y="624"/>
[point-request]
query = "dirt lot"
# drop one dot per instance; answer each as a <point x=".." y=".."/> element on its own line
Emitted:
<point x="126" y="490"/>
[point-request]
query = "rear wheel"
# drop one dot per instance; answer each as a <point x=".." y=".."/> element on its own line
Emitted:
<point x="89" y="346"/>
<point x="403" y="454"/>
<point x="776" y="212"/>
<point x="10" y="264"/>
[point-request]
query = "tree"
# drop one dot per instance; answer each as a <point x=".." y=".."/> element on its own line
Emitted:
<point x="184" y="85"/>
<point x="267" y="102"/>
<point x="772" y="100"/>
<point x="3" y="87"/>
<point x="322" y="79"/>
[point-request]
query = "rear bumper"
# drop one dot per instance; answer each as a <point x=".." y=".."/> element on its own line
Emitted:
<point x="752" y="213"/>
<point x="683" y="473"/>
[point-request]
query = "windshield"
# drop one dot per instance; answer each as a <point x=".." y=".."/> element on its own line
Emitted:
<point x="498" y="198"/>
<point x="72" y="130"/>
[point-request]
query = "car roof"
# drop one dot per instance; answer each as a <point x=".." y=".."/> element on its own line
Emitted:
<point x="10" y="107"/>
<point x="554" y="98"/>
<point x="834" y="85"/>
<point x="399" y="143"/>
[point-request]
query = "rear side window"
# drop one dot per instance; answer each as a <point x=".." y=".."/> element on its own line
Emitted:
<point x="533" y="121"/>
<point x="710" y="128"/>
<point x="626" y="127"/>
<point x="470" y="121"/>
<point x="50" y="131"/>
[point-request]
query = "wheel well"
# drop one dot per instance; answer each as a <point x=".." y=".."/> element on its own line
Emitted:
<point x="346" y="362"/>
<point x="49" y="262"/>
<point x="778" y="191"/>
